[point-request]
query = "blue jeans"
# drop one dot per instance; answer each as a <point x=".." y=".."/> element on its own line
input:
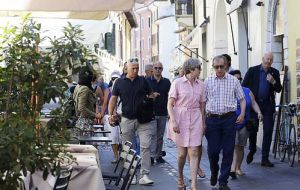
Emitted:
<point x="220" y="135"/>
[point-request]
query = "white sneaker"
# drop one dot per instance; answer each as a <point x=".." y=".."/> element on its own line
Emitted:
<point x="145" y="180"/>
<point x="134" y="181"/>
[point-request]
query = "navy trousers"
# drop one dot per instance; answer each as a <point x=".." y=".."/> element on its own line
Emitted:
<point x="220" y="135"/>
<point x="267" y="109"/>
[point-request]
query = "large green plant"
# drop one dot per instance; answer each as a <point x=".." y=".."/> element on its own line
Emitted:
<point x="33" y="76"/>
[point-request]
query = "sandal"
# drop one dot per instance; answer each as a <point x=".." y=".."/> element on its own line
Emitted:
<point x="200" y="173"/>
<point x="181" y="185"/>
<point x="114" y="161"/>
<point x="239" y="172"/>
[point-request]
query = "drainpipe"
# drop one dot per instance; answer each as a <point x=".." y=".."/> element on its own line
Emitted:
<point x="140" y="37"/>
<point x="194" y="16"/>
<point x="206" y="18"/>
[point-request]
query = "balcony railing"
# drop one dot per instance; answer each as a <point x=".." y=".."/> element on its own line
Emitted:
<point x="183" y="7"/>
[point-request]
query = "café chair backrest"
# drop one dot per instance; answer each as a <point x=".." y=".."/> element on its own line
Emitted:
<point x="123" y="154"/>
<point x="63" y="179"/>
<point x="131" y="173"/>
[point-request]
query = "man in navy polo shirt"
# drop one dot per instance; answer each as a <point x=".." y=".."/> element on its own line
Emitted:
<point x="160" y="85"/>
<point x="132" y="89"/>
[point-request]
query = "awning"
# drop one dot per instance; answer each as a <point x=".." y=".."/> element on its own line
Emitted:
<point x="75" y="9"/>
<point x="235" y="4"/>
<point x="100" y="15"/>
<point x="67" y="5"/>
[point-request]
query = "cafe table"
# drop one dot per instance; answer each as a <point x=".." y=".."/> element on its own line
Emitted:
<point x="86" y="175"/>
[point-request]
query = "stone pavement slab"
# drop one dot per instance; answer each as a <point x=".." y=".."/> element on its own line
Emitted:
<point x="281" y="177"/>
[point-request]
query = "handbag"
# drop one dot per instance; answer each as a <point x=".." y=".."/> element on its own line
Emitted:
<point x="84" y="126"/>
<point x="145" y="112"/>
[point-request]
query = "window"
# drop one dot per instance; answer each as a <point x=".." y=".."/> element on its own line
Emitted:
<point x="142" y="23"/>
<point x="149" y="22"/>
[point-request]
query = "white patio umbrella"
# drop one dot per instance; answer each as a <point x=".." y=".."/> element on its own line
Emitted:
<point x="75" y="9"/>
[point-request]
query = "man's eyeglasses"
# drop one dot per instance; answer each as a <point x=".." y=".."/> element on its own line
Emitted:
<point x="134" y="60"/>
<point x="219" y="66"/>
<point x="158" y="68"/>
<point x="240" y="79"/>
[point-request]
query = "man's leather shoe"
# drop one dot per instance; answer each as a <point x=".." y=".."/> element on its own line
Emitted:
<point x="267" y="163"/>
<point x="224" y="187"/>
<point x="250" y="157"/>
<point x="213" y="179"/>
<point x="152" y="160"/>
<point x="160" y="160"/>
<point x="232" y="175"/>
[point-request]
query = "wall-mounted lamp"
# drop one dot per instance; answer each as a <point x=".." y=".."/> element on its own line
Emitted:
<point x="229" y="1"/>
<point x="260" y="3"/>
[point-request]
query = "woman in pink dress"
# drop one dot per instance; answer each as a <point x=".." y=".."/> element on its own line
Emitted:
<point x="186" y="107"/>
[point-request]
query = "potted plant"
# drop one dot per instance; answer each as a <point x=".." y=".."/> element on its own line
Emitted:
<point x="33" y="76"/>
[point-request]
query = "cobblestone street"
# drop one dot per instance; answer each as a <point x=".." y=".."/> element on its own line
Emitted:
<point x="257" y="178"/>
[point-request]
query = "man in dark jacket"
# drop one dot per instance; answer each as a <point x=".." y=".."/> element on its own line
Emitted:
<point x="263" y="80"/>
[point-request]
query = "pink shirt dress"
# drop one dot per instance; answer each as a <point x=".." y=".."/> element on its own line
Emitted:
<point x="187" y="112"/>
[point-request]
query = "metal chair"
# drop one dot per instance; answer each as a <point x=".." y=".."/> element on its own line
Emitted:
<point x="63" y="179"/>
<point x="127" y="172"/>
<point x="122" y="156"/>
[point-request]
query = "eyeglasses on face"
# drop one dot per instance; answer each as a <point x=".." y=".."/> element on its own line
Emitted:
<point x="158" y="68"/>
<point x="134" y="60"/>
<point x="199" y="67"/>
<point x="219" y="66"/>
<point x="240" y="79"/>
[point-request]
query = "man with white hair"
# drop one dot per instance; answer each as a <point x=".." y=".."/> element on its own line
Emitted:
<point x="264" y="81"/>
<point x="132" y="89"/>
<point x="148" y="70"/>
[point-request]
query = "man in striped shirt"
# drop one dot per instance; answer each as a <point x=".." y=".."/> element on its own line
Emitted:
<point x="222" y="93"/>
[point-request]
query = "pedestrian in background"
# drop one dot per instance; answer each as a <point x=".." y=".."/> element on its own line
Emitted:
<point x="148" y="70"/>
<point x="228" y="67"/>
<point x="114" y="134"/>
<point x="186" y="111"/>
<point x="242" y="133"/>
<point x="222" y="92"/>
<point x="85" y="101"/>
<point x="263" y="81"/>
<point x="160" y="85"/>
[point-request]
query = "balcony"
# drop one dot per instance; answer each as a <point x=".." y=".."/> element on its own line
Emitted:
<point x="184" y="12"/>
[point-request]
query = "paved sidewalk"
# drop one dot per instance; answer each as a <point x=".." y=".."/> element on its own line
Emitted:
<point x="280" y="177"/>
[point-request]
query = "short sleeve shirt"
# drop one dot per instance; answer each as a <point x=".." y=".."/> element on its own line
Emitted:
<point x="222" y="94"/>
<point x="131" y="94"/>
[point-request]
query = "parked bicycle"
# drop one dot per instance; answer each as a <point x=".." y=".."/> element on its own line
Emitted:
<point x="287" y="134"/>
